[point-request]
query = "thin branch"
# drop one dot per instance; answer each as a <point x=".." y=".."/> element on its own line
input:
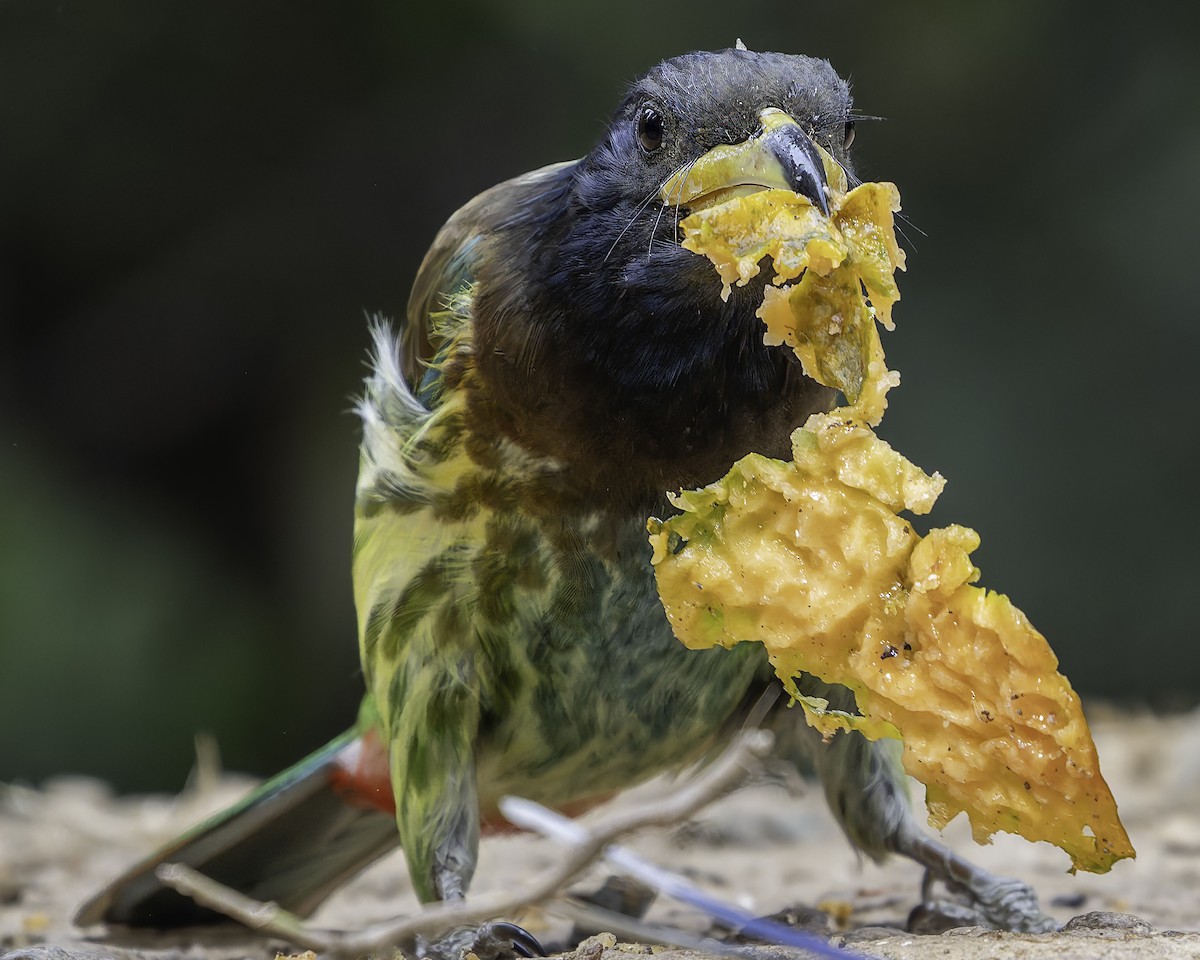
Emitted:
<point x="533" y="816"/>
<point x="265" y="917"/>
<point x="728" y="770"/>
<point x="633" y="930"/>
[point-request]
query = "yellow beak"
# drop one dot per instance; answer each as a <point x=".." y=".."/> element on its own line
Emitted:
<point x="781" y="156"/>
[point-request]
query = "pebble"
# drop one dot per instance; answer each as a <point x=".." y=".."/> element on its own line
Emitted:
<point x="1104" y="923"/>
<point x="867" y="934"/>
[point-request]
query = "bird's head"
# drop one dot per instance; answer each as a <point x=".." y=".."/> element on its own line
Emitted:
<point x="691" y="110"/>
<point x="605" y="339"/>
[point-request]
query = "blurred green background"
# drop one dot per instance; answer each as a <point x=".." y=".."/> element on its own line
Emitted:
<point x="198" y="202"/>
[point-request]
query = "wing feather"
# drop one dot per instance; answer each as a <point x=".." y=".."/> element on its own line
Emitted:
<point x="450" y="265"/>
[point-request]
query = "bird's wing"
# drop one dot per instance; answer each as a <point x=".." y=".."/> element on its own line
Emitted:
<point x="450" y="264"/>
<point x="414" y="570"/>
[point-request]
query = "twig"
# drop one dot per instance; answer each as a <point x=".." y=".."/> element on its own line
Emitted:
<point x="265" y="917"/>
<point x="634" y="930"/>
<point x="533" y="816"/>
<point x="726" y="771"/>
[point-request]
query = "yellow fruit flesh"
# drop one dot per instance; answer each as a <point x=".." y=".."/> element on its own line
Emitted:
<point x="811" y="558"/>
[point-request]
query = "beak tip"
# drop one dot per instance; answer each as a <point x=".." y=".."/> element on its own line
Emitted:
<point x="822" y="198"/>
<point x="801" y="162"/>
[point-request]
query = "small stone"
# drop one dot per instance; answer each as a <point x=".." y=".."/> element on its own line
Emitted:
<point x="593" y="947"/>
<point x="972" y="931"/>
<point x="867" y="934"/>
<point x="809" y="919"/>
<point x="1106" y="923"/>
<point x="940" y="916"/>
<point x="50" y="953"/>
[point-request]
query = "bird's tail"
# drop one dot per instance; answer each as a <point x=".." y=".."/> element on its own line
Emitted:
<point x="294" y="840"/>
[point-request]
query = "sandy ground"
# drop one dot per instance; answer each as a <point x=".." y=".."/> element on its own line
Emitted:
<point x="764" y="848"/>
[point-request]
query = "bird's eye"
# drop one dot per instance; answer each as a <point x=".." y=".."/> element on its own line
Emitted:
<point x="848" y="135"/>
<point x="650" y="129"/>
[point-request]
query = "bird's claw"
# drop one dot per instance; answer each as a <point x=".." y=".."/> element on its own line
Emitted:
<point x="522" y="942"/>
<point x="496" y="940"/>
<point x="1001" y="903"/>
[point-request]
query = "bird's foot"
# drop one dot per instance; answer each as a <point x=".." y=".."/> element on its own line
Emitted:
<point x="977" y="897"/>
<point x="982" y="900"/>
<point x="495" y="940"/>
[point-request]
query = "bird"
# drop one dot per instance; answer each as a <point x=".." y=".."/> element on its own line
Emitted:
<point x="564" y="364"/>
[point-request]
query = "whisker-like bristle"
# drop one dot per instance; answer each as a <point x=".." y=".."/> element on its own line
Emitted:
<point x="633" y="217"/>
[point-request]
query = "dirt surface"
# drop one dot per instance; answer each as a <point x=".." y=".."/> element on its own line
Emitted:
<point x="763" y="848"/>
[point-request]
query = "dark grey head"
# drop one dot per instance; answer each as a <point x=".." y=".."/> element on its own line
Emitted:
<point x="682" y="108"/>
<point x="606" y="341"/>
